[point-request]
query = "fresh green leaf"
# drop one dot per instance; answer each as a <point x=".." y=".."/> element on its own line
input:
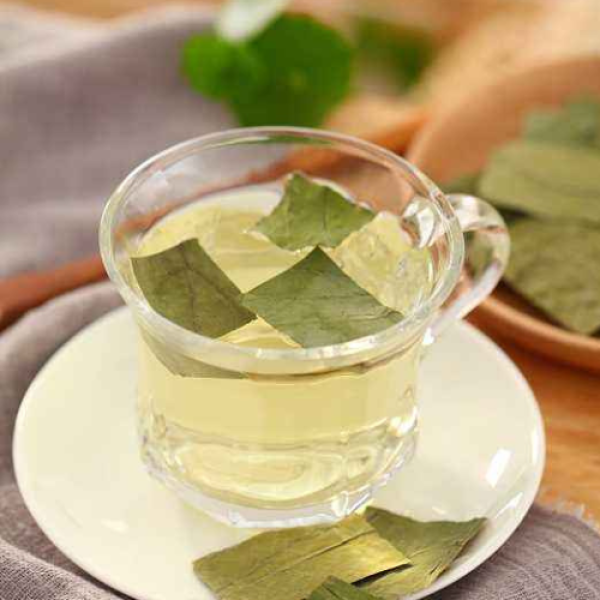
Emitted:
<point x="220" y="69"/>
<point x="405" y="51"/>
<point x="242" y="19"/>
<point x="336" y="589"/>
<point x="431" y="547"/>
<point x="291" y="73"/>
<point x="554" y="265"/>
<point x="544" y="180"/>
<point x="316" y="304"/>
<point x="289" y="563"/>
<point x="577" y="123"/>
<point x="187" y="287"/>
<point x="312" y="214"/>
<point x="308" y="70"/>
<point x="182" y="365"/>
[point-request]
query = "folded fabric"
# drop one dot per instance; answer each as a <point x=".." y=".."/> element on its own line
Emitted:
<point x="74" y="123"/>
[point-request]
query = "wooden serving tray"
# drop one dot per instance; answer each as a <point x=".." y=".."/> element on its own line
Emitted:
<point x="460" y="139"/>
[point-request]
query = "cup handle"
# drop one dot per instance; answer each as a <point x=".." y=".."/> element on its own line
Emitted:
<point x="487" y="248"/>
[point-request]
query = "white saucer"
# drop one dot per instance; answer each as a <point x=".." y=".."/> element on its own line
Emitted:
<point x="481" y="452"/>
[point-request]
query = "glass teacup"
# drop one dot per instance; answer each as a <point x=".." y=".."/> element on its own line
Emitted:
<point x="268" y="434"/>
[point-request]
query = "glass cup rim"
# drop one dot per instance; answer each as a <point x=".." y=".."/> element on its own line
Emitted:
<point x="185" y="339"/>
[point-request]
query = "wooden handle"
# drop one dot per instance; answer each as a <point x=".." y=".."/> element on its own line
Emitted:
<point x="24" y="292"/>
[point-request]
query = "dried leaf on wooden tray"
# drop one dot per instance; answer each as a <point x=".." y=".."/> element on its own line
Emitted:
<point x="463" y="184"/>
<point x="544" y="180"/>
<point x="555" y="266"/>
<point x="577" y="123"/>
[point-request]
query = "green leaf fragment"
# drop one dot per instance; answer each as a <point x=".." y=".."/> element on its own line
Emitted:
<point x="430" y="546"/>
<point x="186" y="286"/>
<point x="463" y="184"/>
<point x="316" y="304"/>
<point x="555" y="266"/>
<point x="577" y="123"/>
<point x="551" y="175"/>
<point x="544" y="180"/>
<point x="336" y="589"/>
<point x="185" y="366"/>
<point x="291" y="563"/>
<point x="312" y="214"/>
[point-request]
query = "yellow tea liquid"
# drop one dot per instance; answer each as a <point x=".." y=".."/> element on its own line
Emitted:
<point x="279" y="442"/>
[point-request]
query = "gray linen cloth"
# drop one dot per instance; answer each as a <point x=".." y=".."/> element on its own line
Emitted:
<point x="73" y="123"/>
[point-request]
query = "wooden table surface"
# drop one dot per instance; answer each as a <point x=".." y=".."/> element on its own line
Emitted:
<point x="570" y="405"/>
<point x="569" y="399"/>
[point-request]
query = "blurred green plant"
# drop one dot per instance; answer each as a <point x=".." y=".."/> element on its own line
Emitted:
<point x="221" y="69"/>
<point x="293" y="72"/>
<point x="404" y="51"/>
